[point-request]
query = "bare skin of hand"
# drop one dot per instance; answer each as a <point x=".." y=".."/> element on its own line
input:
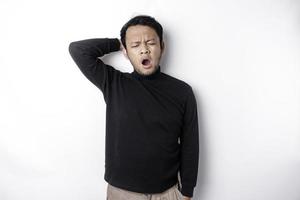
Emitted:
<point x="121" y="45"/>
<point x="186" y="198"/>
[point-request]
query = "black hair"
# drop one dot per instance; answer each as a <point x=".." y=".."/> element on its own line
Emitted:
<point x="145" y="20"/>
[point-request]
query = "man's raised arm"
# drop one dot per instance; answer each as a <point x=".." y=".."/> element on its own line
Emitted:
<point x="85" y="54"/>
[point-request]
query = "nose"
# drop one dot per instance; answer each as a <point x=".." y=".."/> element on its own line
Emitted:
<point x="145" y="50"/>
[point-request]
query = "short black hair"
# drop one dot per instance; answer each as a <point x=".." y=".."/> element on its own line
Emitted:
<point x="145" y="20"/>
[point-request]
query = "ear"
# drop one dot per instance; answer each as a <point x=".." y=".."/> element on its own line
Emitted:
<point x="163" y="46"/>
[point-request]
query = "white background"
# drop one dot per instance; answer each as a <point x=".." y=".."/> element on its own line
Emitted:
<point x="242" y="59"/>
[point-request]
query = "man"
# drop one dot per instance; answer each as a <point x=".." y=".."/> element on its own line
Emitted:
<point x="147" y="111"/>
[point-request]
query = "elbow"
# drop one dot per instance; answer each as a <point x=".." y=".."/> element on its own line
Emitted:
<point x="71" y="47"/>
<point x="74" y="49"/>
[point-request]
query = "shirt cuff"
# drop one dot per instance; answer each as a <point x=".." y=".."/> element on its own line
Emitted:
<point x="114" y="44"/>
<point x="187" y="190"/>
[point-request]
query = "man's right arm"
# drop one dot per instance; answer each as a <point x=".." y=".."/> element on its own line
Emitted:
<point x="85" y="54"/>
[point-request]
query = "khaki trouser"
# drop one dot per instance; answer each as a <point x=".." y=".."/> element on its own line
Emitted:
<point x="115" y="193"/>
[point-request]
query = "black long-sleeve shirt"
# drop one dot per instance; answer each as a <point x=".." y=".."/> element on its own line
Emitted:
<point x="145" y="117"/>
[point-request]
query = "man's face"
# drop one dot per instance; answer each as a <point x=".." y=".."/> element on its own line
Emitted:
<point x="143" y="48"/>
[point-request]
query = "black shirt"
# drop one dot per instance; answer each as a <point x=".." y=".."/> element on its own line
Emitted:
<point x="151" y="123"/>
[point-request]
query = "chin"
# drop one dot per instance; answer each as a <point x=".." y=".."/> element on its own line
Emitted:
<point x="149" y="70"/>
<point x="145" y="71"/>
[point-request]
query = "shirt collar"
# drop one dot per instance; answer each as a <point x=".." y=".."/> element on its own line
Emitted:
<point x="152" y="76"/>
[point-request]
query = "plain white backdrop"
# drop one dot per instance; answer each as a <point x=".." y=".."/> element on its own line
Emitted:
<point x="242" y="59"/>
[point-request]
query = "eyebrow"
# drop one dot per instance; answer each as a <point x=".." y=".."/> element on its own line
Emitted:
<point x="150" y="40"/>
<point x="137" y="42"/>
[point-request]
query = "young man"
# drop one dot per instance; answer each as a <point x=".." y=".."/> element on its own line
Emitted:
<point x="147" y="111"/>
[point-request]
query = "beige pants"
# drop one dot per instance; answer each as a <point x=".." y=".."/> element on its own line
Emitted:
<point x="115" y="193"/>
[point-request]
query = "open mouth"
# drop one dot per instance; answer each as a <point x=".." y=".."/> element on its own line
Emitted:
<point x="146" y="62"/>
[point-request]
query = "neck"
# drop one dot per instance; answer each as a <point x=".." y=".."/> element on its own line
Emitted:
<point x="152" y="76"/>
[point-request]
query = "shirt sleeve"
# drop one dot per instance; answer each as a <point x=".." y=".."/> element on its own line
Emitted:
<point x="189" y="141"/>
<point x="85" y="54"/>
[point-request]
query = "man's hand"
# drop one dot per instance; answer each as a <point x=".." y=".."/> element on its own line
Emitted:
<point x="121" y="45"/>
<point x="186" y="198"/>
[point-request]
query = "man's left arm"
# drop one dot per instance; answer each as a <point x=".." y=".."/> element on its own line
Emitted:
<point x="189" y="141"/>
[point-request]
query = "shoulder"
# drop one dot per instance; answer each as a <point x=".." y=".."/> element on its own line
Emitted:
<point x="179" y="83"/>
<point x="184" y="91"/>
